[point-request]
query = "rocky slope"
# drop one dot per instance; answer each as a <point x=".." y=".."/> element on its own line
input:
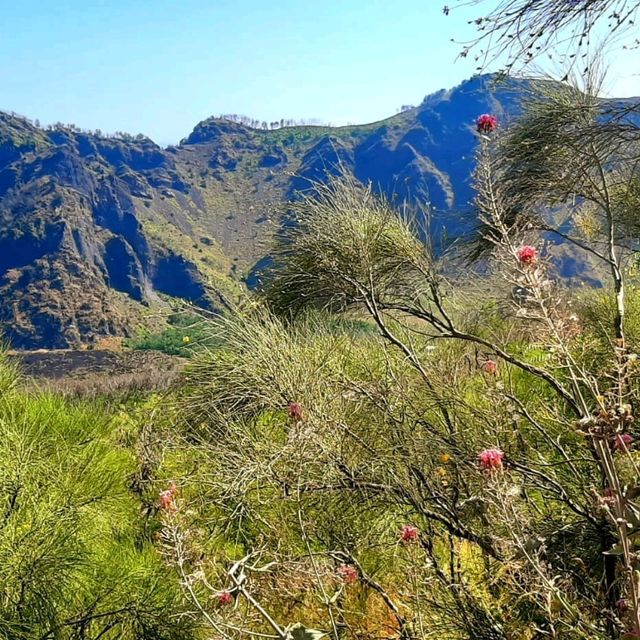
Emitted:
<point x="97" y="234"/>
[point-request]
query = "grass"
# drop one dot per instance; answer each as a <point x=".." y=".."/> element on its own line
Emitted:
<point x="186" y="334"/>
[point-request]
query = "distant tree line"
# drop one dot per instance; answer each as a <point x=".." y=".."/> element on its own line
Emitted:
<point x="116" y="135"/>
<point x="255" y="123"/>
<point x="61" y="126"/>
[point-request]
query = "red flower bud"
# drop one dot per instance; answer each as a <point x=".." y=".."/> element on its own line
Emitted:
<point x="490" y="366"/>
<point x="486" y="123"/>
<point x="491" y="459"/>
<point x="166" y="497"/>
<point x="347" y="573"/>
<point x="622" y="606"/>
<point x="409" y="533"/>
<point x="527" y="254"/>
<point x="622" y="442"/>
<point x="295" y="412"/>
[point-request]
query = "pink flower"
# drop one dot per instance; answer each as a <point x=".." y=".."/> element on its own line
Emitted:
<point x="490" y="366"/>
<point x="294" y="409"/>
<point x="166" y="497"/>
<point x="491" y="459"/>
<point x="224" y="598"/>
<point x="527" y="254"/>
<point x="622" y="442"/>
<point x="347" y="573"/>
<point x="409" y="533"/>
<point x="486" y="123"/>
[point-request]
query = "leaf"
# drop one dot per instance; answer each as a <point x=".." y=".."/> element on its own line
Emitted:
<point x="616" y="550"/>
<point x="299" y="632"/>
<point x="336" y="595"/>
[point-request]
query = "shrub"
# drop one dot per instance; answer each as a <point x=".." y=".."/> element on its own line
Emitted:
<point x="185" y="333"/>
<point x="74" y="559"/>
<point x="315" y="447"/>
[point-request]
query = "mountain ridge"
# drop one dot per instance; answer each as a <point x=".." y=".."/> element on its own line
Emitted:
<point x="99" y="234"/>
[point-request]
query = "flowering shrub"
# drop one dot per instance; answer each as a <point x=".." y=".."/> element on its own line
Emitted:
<point x="491" y="459"/>
<point x="558" y="408"/>
<point x="486" y="123"/>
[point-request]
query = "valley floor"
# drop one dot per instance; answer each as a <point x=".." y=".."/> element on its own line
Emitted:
<point x="90" y="372"/>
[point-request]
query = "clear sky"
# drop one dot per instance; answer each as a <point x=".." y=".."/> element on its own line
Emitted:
<point x="160" y="66"/>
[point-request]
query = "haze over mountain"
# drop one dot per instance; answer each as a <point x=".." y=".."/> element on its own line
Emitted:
<point x="97" y="233"/>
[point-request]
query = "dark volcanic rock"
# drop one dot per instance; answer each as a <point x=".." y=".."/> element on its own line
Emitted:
<point x="124" y="269"/>
<point x="328" y="157"/>
<point x="75" y="259"/>
<point x="19" y="248"/>
<point x="178" y="277"/>
<point x="214" y="129"/>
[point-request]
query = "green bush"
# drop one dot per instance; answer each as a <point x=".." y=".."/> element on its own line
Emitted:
<point x="185" y="334"/>
<point x="74" y="560"/>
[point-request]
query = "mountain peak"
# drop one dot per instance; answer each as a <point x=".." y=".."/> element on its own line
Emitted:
<point x="214" y="128"/>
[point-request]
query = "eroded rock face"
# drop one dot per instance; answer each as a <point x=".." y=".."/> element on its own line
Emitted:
<point x="330" y="156"/>
<point x="19" y="248"/>
<point x="76" y="263"/>
<point x="176" y="276"/>
<point x="113" y="209"/>
<point x="124" y="270"/>
<point x="58" y="301"/>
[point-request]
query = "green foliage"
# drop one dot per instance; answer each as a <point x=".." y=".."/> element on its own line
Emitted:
<point x="346" y="243"/>
<point x="371" y="443"/>
<point x="8" y="374"/>
<point x="185" y="334"/>
<point x="394" y="428"/>
<point x="300" y="632"/>
<point x="74" y="562"/>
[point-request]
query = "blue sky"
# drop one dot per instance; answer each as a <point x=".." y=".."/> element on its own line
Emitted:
<point x="160" y="66"/>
